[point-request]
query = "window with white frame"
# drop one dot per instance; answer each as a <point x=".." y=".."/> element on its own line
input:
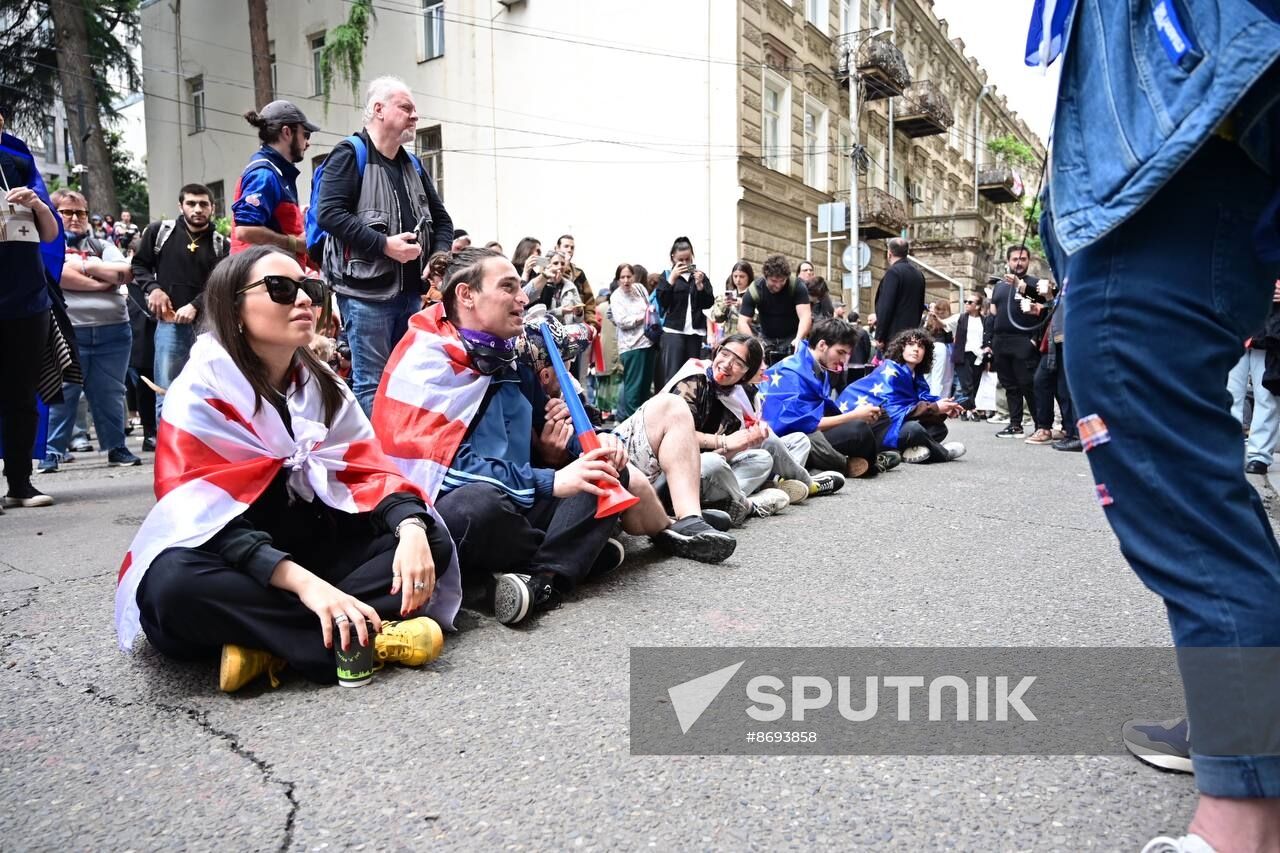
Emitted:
<point x="815" y="145"/>
<point x="775" y="127"/>
<point x="430" y="145"/>
<point x="50" y="140"/>
<point x="217" y="189"/>
<point x="969" y="132"/>
<point x="844" y="167"/>
<point x="846" y="16"/>
<point x="875" y="162"/>
<point x="815" y="12"/>
<point x="432" y="29"/>
<point x="317" y="64"/>
<point x="895" y="184"/>
<point x="196" y="87"/>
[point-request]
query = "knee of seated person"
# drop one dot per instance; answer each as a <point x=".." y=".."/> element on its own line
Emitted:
<point x="168" y="580"/>
<point x="712" y="462"/>
<point x="479" y="501"/>
<point x="670" y="408"/>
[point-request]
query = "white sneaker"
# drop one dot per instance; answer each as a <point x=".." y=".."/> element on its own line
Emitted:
<point x="767" y="502"/>
<point x="1185" y="844"/>
<point x="915" y="455"/>
<point x="955" y="448"/>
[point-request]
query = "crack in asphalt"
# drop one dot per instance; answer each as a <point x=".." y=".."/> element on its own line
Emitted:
<point x="201" y="719"/>
<point x="31" y="598"/>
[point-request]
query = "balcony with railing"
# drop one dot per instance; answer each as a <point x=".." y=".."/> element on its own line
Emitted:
<point x="1000" y="184"/>
<point x="880" y="215"/>
<point x="962" y="229"/>
<point x="882" y="68"/>
<point x="923" y="111"/>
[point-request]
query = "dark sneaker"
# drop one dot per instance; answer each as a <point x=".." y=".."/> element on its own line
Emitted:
<point x="26" y="495"/>
<point x="516" y="596"/>
<point x="1166" y="745"/>
<point x="693" y="538"/>
<point x="120" y="457"/>
<point x="609" y="558"/>
<point x="826" y="483"/>
<point x="1256" y="466"/>
<point x="81" y="446"/>
<point x="718" y="519"/>
<point x="1010" y="431"/>
<point x="887" y="460"/>
<point x="50" y="464"/>
<point x="149" y="444"/>
<point x="1070" y="445"/>
<point x="739" y="511"/>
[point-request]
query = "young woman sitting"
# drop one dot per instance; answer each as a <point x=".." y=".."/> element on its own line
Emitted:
<point x="915" y="420"/>
<point x="280" y="526"/>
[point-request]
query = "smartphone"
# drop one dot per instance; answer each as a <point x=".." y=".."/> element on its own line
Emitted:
<point x="418" y="228"/>
<point x="540" y="263"/>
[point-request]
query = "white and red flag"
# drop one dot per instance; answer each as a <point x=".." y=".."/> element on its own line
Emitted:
<point x="215" y="455"/>
<point x="428" y="396"/>
<point x="734" y="399"/>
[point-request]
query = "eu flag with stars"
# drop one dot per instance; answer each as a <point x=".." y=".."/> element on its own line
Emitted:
<point x="797" y="394"/>
<point x="894" y="388"/>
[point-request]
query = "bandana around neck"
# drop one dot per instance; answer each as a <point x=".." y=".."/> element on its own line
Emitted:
<point x="490" y="354"/>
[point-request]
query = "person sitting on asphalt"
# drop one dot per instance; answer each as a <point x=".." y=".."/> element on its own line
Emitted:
<point x="797" y="398"/>
<point x="277" y="508"/>
<point x="915" y="420"/>
<point x="456" y="411"/>
<point x="740" y="454"/>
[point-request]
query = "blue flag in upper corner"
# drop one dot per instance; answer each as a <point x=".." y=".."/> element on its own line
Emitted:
<point x="794" y="398"/>
<point x="894" y="388"/>
<point x="1047" y="35"/>
<point x="52" y="253"/>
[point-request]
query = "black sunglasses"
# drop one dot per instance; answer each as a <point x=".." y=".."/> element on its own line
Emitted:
<point x="284" y="290"/>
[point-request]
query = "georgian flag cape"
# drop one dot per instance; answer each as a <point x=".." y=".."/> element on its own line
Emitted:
<point x="215" y="456"/>
<point x="794" y="398"/>
<point x="894" y="388"/>
<point x="428" y="396"/>
<point x="734" y="399"/>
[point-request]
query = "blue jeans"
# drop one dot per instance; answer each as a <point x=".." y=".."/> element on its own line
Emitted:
<point x="104" y="358"/>
<point x="173" y="348"/>
<point x="1265" y="428"/>
<point x="1157" y="313"/>
<point x="373" y="330"/>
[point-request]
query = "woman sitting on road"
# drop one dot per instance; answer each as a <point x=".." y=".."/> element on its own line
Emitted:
<point x="915" y="420"/>
<point x="276" y="507"/>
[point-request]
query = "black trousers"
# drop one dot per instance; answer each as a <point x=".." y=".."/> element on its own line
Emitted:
<point x="968" y="377"/>
<point x="22" y="344"/>
<point x="917" y="434"/>
<point x="674" y="350"/>
<point x="497" y="535"/>
<point x="1016" y="360"/>
<point x="193" y="602"/>
<point x="1051" y="384"/>
<point x="831" y="449"/>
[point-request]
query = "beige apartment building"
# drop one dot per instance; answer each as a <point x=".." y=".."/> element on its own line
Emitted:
<point x="918" y="179"/>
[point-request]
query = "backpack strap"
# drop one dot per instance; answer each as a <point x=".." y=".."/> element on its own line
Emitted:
<point x="162" y="233"/>
<point x="362" y="151"/>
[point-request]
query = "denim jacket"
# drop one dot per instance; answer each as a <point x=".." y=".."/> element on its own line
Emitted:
<point x="1144" y="84"/>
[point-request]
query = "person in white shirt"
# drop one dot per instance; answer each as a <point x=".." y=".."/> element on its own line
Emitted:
<point x="972" y="349"/>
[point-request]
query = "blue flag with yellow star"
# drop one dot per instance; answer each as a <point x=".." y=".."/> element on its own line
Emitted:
<point x="895" y="389"/>
<point x="794" y="396"/>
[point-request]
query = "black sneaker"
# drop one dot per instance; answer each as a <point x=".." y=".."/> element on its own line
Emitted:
<point x="149" y="444"/>
<point x="1010" y="431"/>
<point x="26" y="495"/>
<point x="609" y="558"/>
<point x="516" y="596"/>
<point x="1070" y="445"/>
<point x="121" y="457"/>
<point x="887" y="460"/>
<point x="1166" y="745"/>
<point x="718" y="519"/>
<point x="825" y="483"/>
<point x="693" y="538"/>
<point x="1256" y="466"/>
<point x="739" y="511"/>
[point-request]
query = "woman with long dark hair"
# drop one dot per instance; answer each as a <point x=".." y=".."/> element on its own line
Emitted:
<point x="629" y="303"/>
<point x="527" y="251"/>
<point x="277" y="508"/>
<point x="915" y="419"/>
<point x="684" y="294"/>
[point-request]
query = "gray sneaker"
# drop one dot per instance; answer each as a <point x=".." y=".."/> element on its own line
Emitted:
<point x="1166" y="745"/>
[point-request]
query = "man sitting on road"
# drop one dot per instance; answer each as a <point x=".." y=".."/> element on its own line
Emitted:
<point x="782" y="305"/>
<point x="797" y="398"/>
<point x="456" y="411"/>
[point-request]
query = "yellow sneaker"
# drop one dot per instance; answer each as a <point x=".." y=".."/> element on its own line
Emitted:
<point x="241" y="665"/>
<point x="412" y="642"/>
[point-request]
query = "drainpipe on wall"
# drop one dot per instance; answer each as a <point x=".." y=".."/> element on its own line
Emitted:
<point x="888" y="175"/>
<point x="178" y="79"/>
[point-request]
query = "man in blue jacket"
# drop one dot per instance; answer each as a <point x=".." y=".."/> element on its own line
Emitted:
<point x="1162" y="220"/>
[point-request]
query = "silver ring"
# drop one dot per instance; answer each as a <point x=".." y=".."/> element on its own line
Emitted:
<point x="418" y="585"/>
<point x="340" y="618"/>
<point x="395" y="576"/>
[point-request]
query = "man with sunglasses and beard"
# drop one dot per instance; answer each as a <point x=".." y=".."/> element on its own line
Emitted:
<point x="266" y="209"/>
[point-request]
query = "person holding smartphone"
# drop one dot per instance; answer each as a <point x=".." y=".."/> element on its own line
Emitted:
<point x="683" y="294"/>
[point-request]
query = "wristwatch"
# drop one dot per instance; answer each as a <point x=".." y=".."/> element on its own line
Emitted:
<point x="413" y="521"/>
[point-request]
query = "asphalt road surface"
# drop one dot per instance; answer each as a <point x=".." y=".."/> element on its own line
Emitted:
<point x="518" y="738"/>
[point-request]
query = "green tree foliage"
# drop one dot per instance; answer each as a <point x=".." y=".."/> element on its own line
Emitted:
<point x="131" y="184"/>
<point x="344" y="45"/>
<point x="29" y="58"/>
<point x="1012" y="151"/>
